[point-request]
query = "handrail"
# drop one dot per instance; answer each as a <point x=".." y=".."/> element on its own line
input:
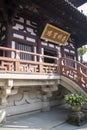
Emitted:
<point x="25" y="52"/>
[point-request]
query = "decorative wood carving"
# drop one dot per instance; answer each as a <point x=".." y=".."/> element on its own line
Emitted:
<point x="74" y="71"/>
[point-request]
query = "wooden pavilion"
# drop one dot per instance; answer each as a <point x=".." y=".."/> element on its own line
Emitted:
<point x="38" y="54"/>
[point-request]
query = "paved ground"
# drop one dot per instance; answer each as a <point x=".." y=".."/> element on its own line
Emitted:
<point x="53" y="120"/>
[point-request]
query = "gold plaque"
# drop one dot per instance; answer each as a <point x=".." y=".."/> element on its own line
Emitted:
<point x="55" y="35"/>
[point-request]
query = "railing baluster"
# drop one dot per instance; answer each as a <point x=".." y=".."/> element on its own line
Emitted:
<point x="17" y="62"/>
<point x="40" y="65"/>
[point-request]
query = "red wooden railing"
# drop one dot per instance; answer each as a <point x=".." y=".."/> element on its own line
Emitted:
<point x="74" y="71"/>
<point x="15" y="64"/>
<point x="63" y="66"/>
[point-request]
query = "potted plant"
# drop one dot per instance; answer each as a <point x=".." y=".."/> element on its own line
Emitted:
<point x="76" y="100"/>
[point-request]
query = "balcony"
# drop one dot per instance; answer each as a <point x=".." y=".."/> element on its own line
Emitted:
<point x="13" y="67"/>
<point x="18" y="65"/>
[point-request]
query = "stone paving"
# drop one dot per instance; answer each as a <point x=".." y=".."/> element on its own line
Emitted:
<point x="52" y="120"/>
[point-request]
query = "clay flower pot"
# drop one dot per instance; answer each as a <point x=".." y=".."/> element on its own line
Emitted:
<point x="76" y="108"/>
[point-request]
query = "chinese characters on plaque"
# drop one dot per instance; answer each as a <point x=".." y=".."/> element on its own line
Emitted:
<point x="55" y="35"/>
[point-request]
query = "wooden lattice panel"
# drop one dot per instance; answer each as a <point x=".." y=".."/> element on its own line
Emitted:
<point x="28" y="68"/>
<point x="9" y="66"/>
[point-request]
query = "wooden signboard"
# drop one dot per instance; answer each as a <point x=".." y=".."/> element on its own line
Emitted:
<point x="55" y="35"/>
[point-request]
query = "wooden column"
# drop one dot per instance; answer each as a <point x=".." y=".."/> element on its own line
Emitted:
<point x="62" y="51"/>
<point x="76" y="53"/>
<point x="8" y="38"/>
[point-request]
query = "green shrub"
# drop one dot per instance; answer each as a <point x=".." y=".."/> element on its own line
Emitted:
<point x="75" y="99"/>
